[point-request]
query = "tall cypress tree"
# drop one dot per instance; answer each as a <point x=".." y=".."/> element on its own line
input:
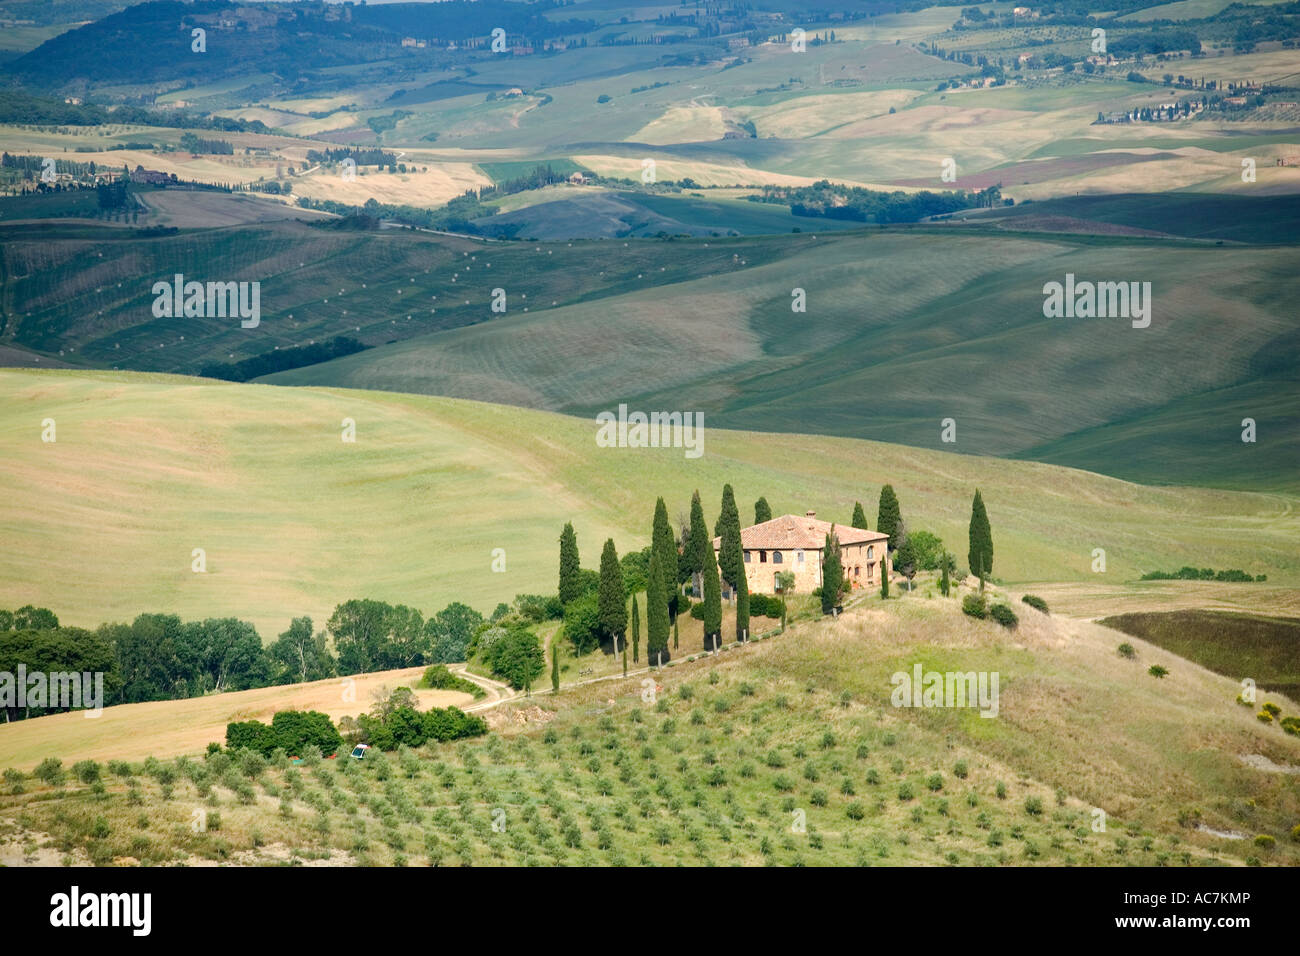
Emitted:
<point x="636" y="631"/>
<point x="664" y="542"/>
<point x="742" y="610"/>
<point x="981" y="539"/>
<point x="656" y="613"/>
<point x="944" y="584"/>
<point x="884" y="575"/>
<point x="762" y="511"/>
<point x="570" y="577"/>
<point x="888" y="515"/>
<point x="712" y="601"/>
<point x="731" y="559"/>
<point x="832" y="572"/>
<point x="699" y="542"/>
<point x="859" y="516"/>
<point x="555" y="666"/>
<point x="612" y="596"/>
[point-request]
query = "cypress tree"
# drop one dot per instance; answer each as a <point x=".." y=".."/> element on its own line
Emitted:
<point x="712" y="601"/>
<point x="656" y="612"/>
<point x="762" y="511"/>
<point x="663" y="542"/>
<point x="636" y="631"/>
<point x="944" y="584"/>
<point x="555" y="666"/>
<point x="884" y="575"/>
<point x="981" y="539"/>
<point x="612" y="596"/>
<point x="624" y="661"/>
<point x="832" y="573"/>
<point x="742" y="610"/>
<point x="859" y="516"/>
<point x="888" y="515"/>
<point x="699" y="542"/>
<point x="675" y="631"/>
<point x="731" y="559"/>
<point x="570" y="579"/>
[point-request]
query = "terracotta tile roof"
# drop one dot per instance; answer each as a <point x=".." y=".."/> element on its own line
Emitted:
<point x="800" y="531"/>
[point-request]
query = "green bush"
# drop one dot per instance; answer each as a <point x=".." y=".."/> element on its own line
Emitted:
<point x="1126" y="651"/>
<point x="1272" y="708"/>
<point x="1155" y="670"/>
<point x="438" y="677"/>
<point x="1037" y="603"/>
<point x="1265" y="841"/>
<point x="974" y="605"/>
<point x="1034" y="806"/>
<point x="1003" y="614"/>
<point x="50" y="771"/>
<point x="1291" y="725"/>
<point x="87" y="771"/>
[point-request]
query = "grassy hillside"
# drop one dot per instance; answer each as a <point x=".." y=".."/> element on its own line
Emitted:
<point x="101" y="524"/>
<point x="718" y="765"/>
<point x="1265" y="649"/>
<point x="902" y="330"/>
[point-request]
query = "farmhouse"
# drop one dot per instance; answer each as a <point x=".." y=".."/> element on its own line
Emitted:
<point x="794" y="543"/>
<point x="152" y="176"/>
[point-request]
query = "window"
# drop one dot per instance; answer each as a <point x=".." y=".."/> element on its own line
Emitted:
<point x="798" y="556"/>
<point x="777" y="558"/>
<point x="762" y="557"/>
<point x="747" y="557"/>
<point x="776" y="582"/>
<point x="871" y="551"/>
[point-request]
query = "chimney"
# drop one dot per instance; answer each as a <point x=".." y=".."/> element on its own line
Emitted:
<point x="811" y="514"/>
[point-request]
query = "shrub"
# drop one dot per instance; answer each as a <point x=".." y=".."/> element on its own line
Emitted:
<point x="856" y="811"/>
<point x="50" y="771"/>
<point x="1003" y="614"/>
<point x="1034" y="806"/>
<point x="1155" y="670"/>
<point x="974" y="605"/>
<point x="1037" y="603"/>
<point x="905" y="791"/>
<point x="1264" y="717"/>
<point x="1295" y="833"/>
<point x="960" y="770"/>
<point x="1272" y="708"/>
<point x="1265" y="841"/>
<point x="438" y="677"/>
<point x="935" y="782"/>
<point x="1126" y="651"/>
<point x="87" y="771"/>
<point x="1291" y="725"/>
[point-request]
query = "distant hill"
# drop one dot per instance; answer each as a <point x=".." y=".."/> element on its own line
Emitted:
<point x="151" y="42"/>
<point x="294" y="520"/>
<point x="903" y="328"/>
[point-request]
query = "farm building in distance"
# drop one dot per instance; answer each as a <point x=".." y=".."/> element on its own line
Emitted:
<point x="794" y="543"/>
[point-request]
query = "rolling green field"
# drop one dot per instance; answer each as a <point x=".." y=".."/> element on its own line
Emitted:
<point x="786" y="752"/>
<point x="1265" y="649"/>
<point x="102" y="523"/>
<point x="902" y="330"/>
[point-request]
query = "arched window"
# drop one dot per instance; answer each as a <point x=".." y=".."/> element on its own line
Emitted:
<point x="747" y="557"/>
<point x="871" y="551"/>
<point x="777" y="558"/>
